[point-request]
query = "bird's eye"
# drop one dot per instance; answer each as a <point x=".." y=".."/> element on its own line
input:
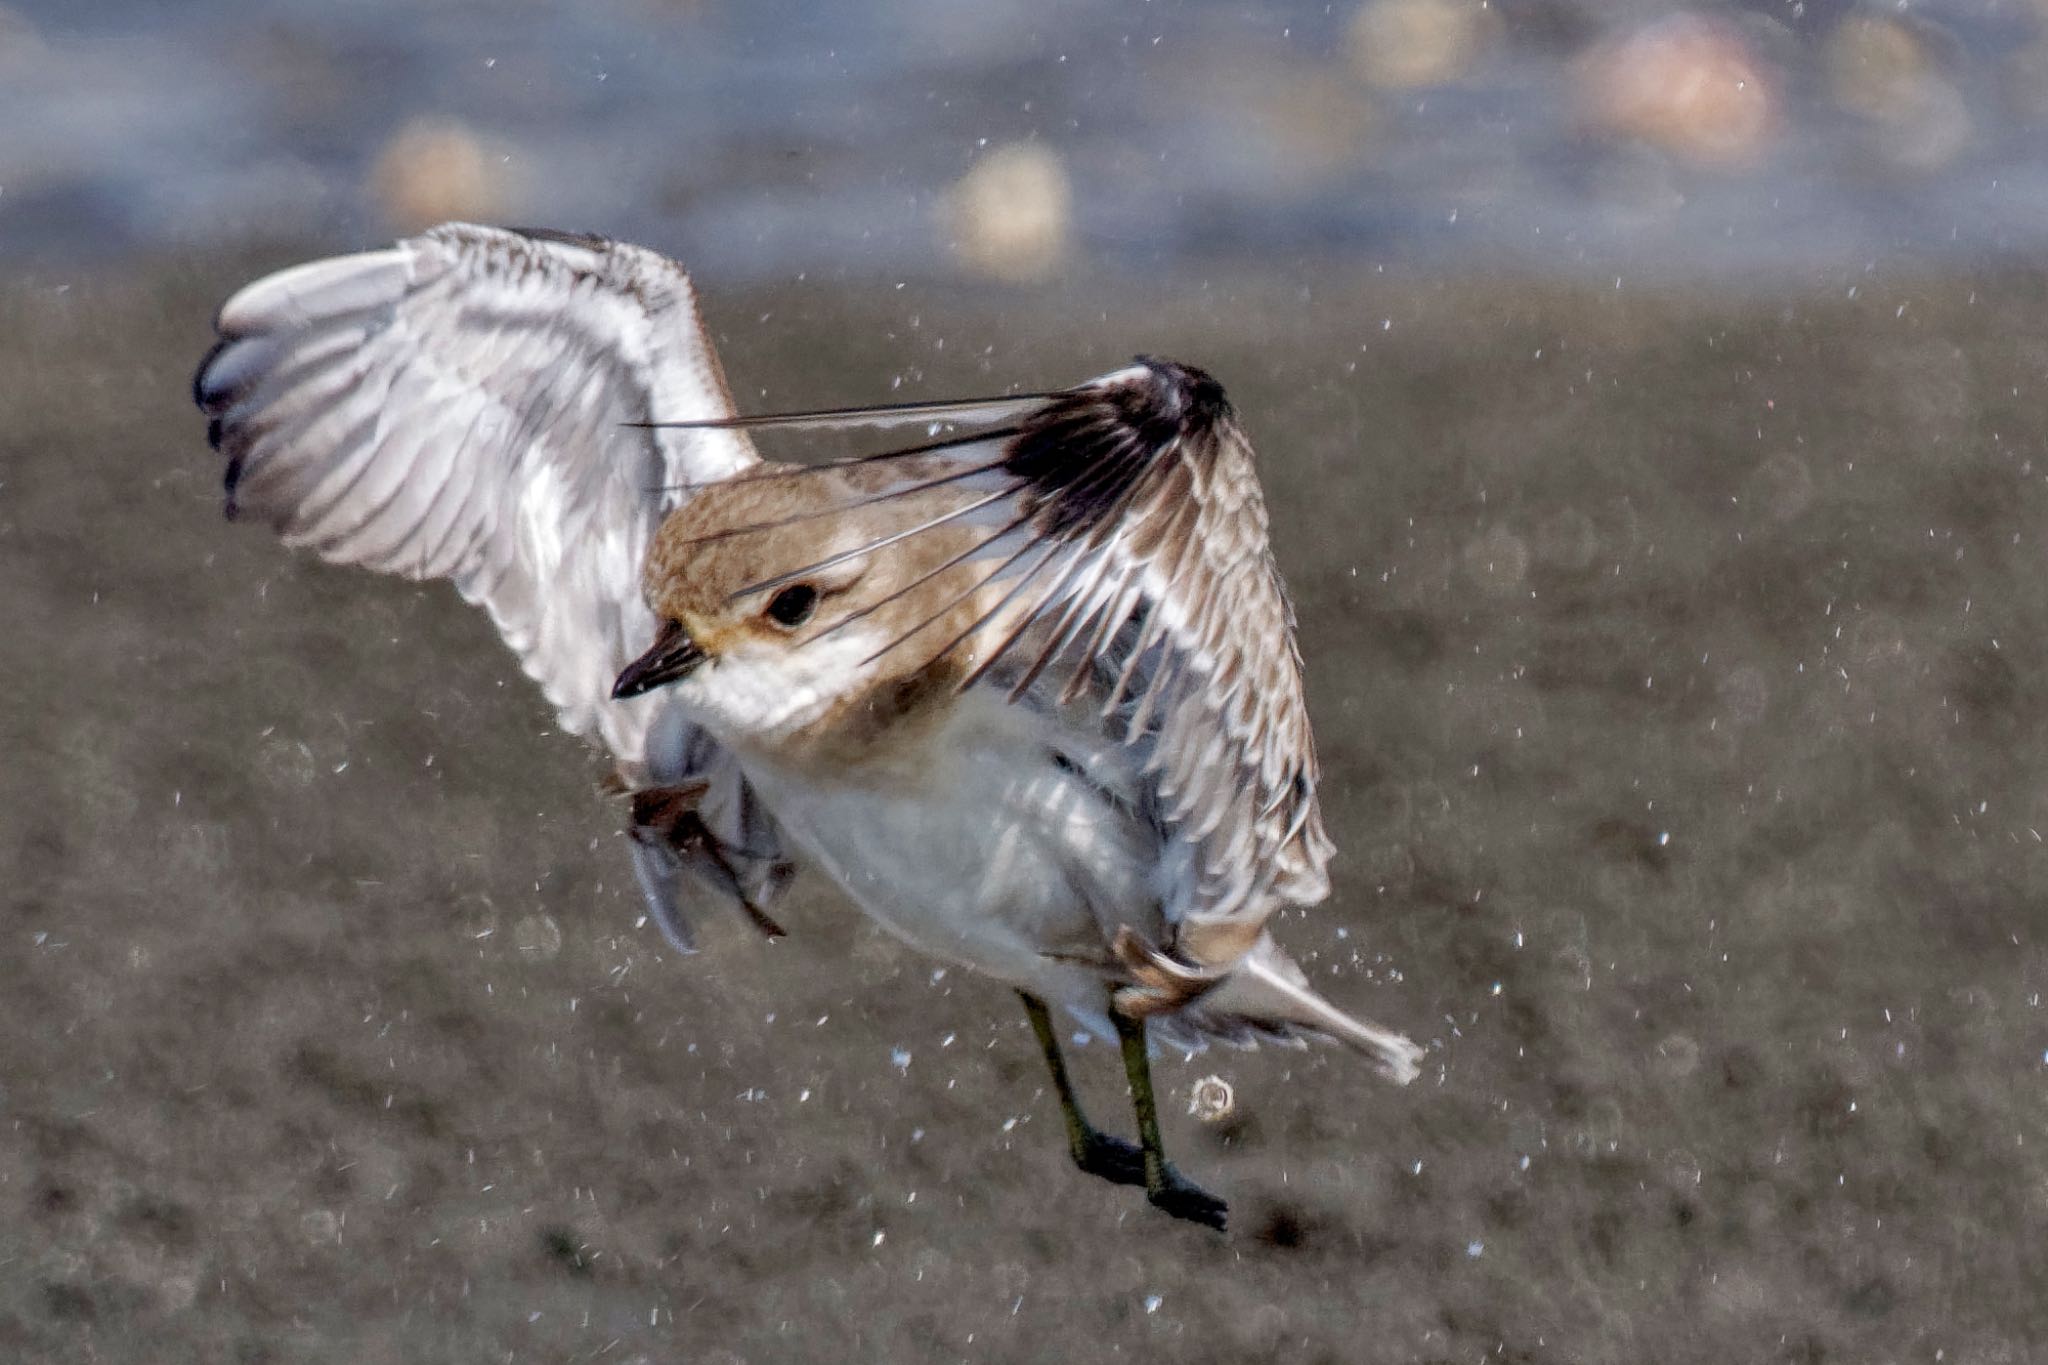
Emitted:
<point x="793" y="606"/>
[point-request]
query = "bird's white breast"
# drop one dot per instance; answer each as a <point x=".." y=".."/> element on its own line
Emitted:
<point x="983" y="848"/>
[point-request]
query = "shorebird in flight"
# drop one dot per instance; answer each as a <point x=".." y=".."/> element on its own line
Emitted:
<point x="1026" y="688"/>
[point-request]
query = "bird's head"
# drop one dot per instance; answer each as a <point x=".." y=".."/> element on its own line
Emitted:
<point x="775" y="618"/>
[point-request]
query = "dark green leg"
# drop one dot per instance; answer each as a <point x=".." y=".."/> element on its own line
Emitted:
<point x="1167" y="1188"/>
<point x="1095" y="1152"/>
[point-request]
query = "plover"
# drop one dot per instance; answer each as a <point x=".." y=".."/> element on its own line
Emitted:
<point x="1026" y="688"/>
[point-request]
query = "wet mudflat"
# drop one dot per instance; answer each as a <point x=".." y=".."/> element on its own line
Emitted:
<point x="1676" y="659"/>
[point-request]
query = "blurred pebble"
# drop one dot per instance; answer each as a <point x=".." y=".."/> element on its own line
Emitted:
<point x="320" y="1227"/>
<point x="1678" y="1055"/>
<point x="1010" y="213"/>
<point x="1886" y="71"/>
<point x="1600" y="1131"/>
<point x="1691" y="87"/>
<point x="537" y="936"/>
<point x="377" y="1169"/>
<point x="435" y="170"/>
<point x="1878" y="641"/>
<point x="1680" y="1170"/>
<point x="1497" y="560"/>
<point x="176" y="1291"/>
<point x="1873" y="65"/>
<point x="1405" y="44"/>
<point x="475" y="919"/>
<point x="287" y="762"/>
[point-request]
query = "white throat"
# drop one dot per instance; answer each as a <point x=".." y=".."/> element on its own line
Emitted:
<point x="758" y="694"/>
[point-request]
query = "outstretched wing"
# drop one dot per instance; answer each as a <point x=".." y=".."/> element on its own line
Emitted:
<point x="478" y="405"/>
<point x="1122" y="557"/>
<point x="457" y="406"/>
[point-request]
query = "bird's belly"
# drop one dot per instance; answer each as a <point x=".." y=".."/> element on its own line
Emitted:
<point x="994" y="856"/>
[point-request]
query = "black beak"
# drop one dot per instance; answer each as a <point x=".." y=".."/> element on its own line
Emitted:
<point x="674" y="656"/>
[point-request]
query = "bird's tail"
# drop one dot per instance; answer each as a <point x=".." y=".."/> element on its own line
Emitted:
<point x="1266" y="990"/>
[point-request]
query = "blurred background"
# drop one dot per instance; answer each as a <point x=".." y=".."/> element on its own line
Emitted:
<point x="1017" y="139"/>
<point x="1649" y="401"/>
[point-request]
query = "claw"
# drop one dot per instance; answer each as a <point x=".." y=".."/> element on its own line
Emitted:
<point x="1183" y="1198"/>
<point x="667" y="817"/>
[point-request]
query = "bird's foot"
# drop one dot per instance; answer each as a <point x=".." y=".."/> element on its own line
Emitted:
<point x="1111" y="1158"/>
<point x="1183" y="1198"/>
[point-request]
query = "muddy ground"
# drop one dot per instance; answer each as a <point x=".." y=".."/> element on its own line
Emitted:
<point x="1677" y="660"/>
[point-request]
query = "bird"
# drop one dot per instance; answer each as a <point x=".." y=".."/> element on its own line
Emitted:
<point x="1026" y="686"/>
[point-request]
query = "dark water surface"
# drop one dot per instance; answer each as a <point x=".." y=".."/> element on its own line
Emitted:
<point x="1677" y="661"/>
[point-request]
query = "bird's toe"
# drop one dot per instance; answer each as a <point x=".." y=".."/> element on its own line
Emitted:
<point x="1183" y="1198"/>
<point x="1111" y="1159"/>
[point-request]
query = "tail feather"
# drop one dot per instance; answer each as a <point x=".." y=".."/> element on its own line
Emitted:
<point x="1265" y="987"/>
<point x="1262" y="994"/>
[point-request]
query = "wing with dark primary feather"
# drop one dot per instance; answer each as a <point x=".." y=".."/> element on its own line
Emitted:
<point x="472" y="404"/>
<point x="1123" y="554"/>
